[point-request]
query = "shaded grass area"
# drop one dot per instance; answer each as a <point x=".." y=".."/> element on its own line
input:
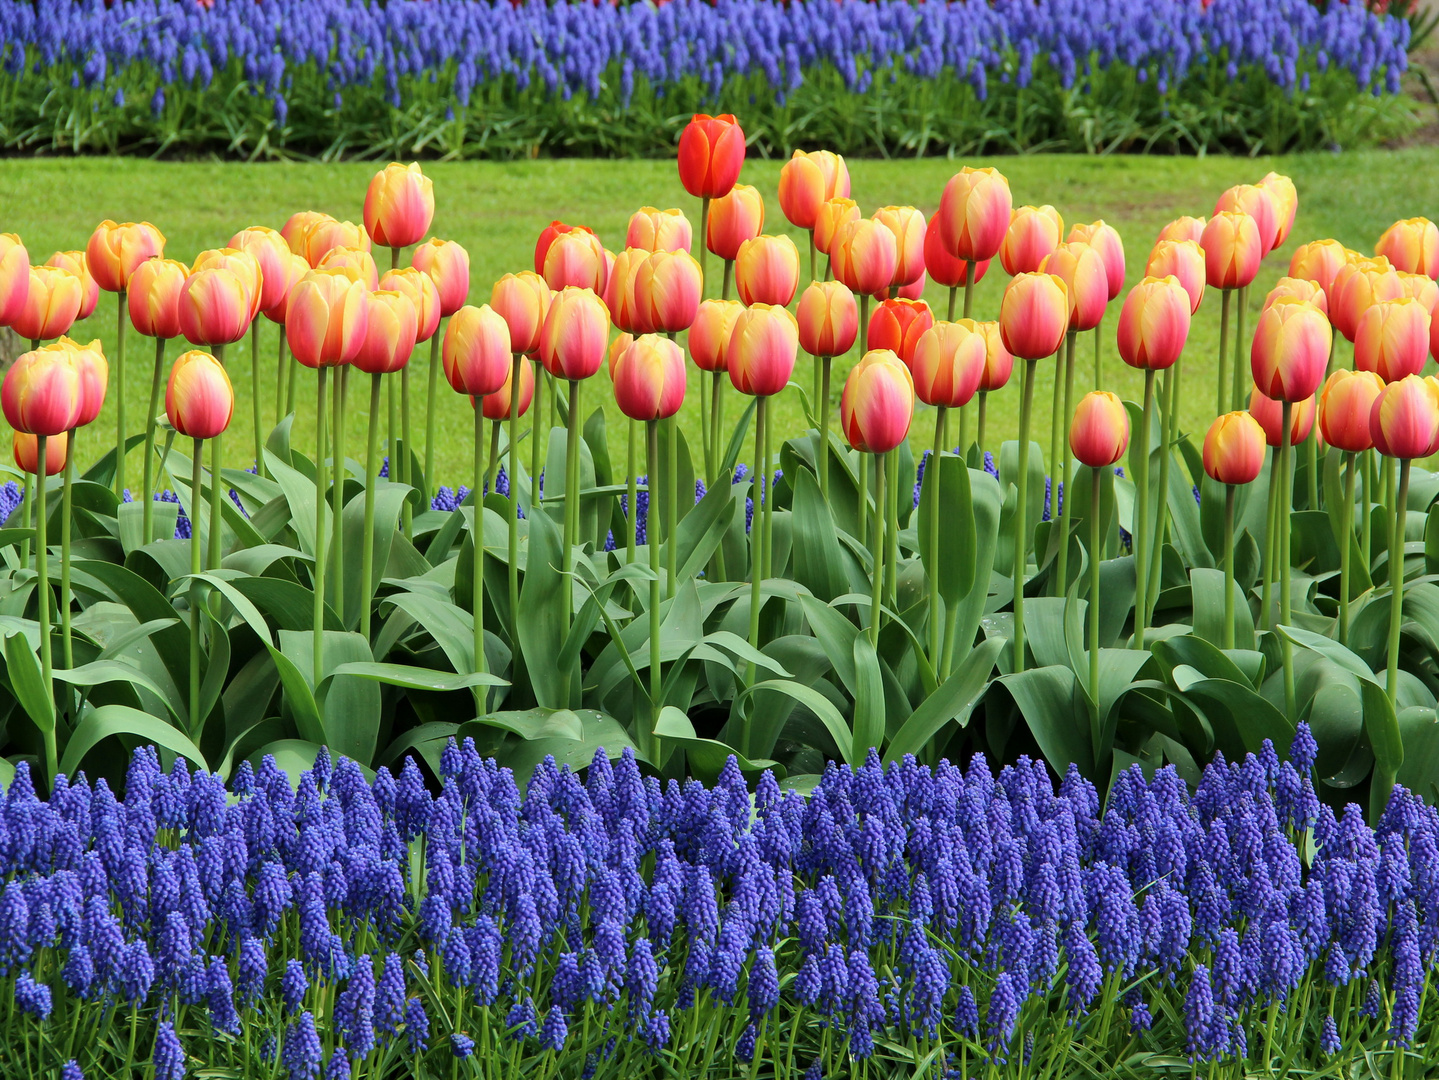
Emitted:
<point x="497" y="209"/>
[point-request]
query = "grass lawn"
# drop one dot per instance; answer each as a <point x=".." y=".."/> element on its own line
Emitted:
<point x="496" y="210"/>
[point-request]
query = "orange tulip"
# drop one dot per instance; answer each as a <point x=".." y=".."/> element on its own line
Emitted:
<point x="390" y="326"/>
<point x="1286" y="203"/>
<point x="1318" y="261"/>
<point x="1298" y="289"/>
<point x="1269" y="414"/>
<point x="828" y="319"/>
<point x="1404" y="419"/>
<point x="1392" y="339"/>
<point x="1034" y="315"/>
<point x="214" y="307"/>
<point x="1104" y="238"/>
<point x="1033" y="234"/>
<point x="1182" y="228"/>
<point x="273" y="255"/>
<point x="1232" y="249"/>
<point x="1259" y="204"/>
<point x="659" y="230"/>
<point x="943" y="267"/>
<point x="998" y="360"/>
<point x="1412" y="245"/>
<point x="908" y="226"/>
<point x="807" y="181"/>
<point x="575" y="335"/>
<point x="620" y="292"/>
<point x="476" y="350"/>
<point x="710" y="332"/>
<point x="1081" y="269"/>
<point x="711" y="154"/>
<point x="667" y="289"/>
<point x="416" y="285"/>
<point x="94" y="370"/>
<point x="74" y="261"/>
<point x="948" y="362"/>
<point x="327" y="319"/>
<point x="295" y="269"/>
<point x="1099" y="433"/>
<point x="154" y="297"/>
<point x="650" y="378"/>
<point x="1234" y="448"/>
<point x="496" y="406"/>
<point x="761" y="350"/>
<point x="1154" y="324"/>
<point x="864" y="255"/>
<point x="42" y="392"/>
<point x="1291" y="350"/>
<point x="448" y="265"/>
<point x="14" y="277"/>
<point x="51" y="303"/>
<point x="1182" y="259"/>
<point x="1344" y="407"/>
<point x="115" y="250"/>
<point x="243" y="265"/>
<point x="27" y="452"/>
<point x="576" y="258"/>
<point x="876" y="406"/>
<point x="734" y="218"/>
<point x="974" y="213"/>
<point x="832" y="214"/>
<point x="325" y="234"/>
<point x="199" y="399"/>
<point x="399" y="205"/>
<point x="1359" y="284"/>
<point x="296" y="226"/>
<point x="766" y="270"/>
<point x="356" y="262"/>
<point x="897" y="325"/>
<point x="522" y="300"/>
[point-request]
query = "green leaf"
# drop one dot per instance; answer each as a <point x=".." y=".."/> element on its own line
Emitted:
<point x="818" y="558"/>
<point x="813" y="700"/>
<point x="684" y="471"/>
<point x="389" y="500"/>
<point x="600" y="732"/>
<point x="953" y="701"/>
<point x="28" y="682"/>
<point x="110" y="720"/>
<point x="947" y="488"/>
<point x="705" y="757"/>
<point x="1241" y="717"/>
<point x="1046" y="697"/>
<point x="868" y="701"/>
<point x="99" y="672"/>
<point x="447" y="624"/>
<point x="836" y="636"/>
<point x="531" y="723"/>
<point x="416" y="678"/>
<point x="544" y="618"/>
<point x="1207" y="588"/>
<point x="1419" y="730"/>
<point x="1382" y="727"/>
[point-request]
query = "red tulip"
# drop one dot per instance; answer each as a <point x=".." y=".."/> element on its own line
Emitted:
<point x="496" y="406"/>
<point x="476" y="351"/>
<point x="1081" y="269"/>
<point x="1234" y="447"/>
<point x="1033" y="234"/>
<point x="734" y="218"/>
<point x="74" y="261"/>
<point x="807" y="181"/>
<point x="575" y="335"/>
<point x="948" y="363"/>
<point x="51" y="303"/>
<point x="114" y="251"/>
<point x="1154" y="324"/>
<point x="659" y="230"/>
<point x="199" y="399"/>
<point x="1344" y="408"/>
<point x="1392" y="339"/>
<point x="974" y="213"/>
<point x="27" y="452"/>
<point x="1104" y="238"/>
<point x="649" y="378"/>
<point x="522" y="300"/>
<point x="828" y="319"/>
<point x="711" y="155"/>
<point x="1404" y="419"/>
<point x="42" y="393"/>
<point x="1034" y="315"/>
<point x="399" y="205"/>
<point x="422" y="294"/>
<point x="761" y="351"/>
<point x="448" y="265"/>
<point x="1099" y="433"/>
<point x="327" y="319"/>
<point x="896" y="325"/>
<point x="877" y="404"/>
<point x="710" y="332"/>
<point x="389" y="332"/>
<point x="943" y="267"/>
<point x="1268" y="413"/>
<point x="766" y="270"/>
<point x="1182" y="259"/>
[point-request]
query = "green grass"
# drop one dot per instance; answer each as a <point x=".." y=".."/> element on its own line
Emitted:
<point x="497" y="209"/>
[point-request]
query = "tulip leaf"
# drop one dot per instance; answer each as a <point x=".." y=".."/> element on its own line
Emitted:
<point x="107" y="720"/>
<point x="953" y="701"/>
<point x="706" y="758"/>
<point x="28" y="682"/>
<point x="945" y="491"/>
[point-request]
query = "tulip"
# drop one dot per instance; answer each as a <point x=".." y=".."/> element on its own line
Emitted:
<point x="974" y="213"/>
<point x="74" y="261"/>
<point x="1259" y="204"/>
<point x="828" y="321"/>
<point x="1357" y="286"/>
<point x="575" y="258"/>
<point x="154" y="297"/>
<point x="496" y="406"/>
<point x="651" y="229"/>
<point x="1268" y="411"/>
<point x="1420" y="287"/>
<point x="1033" y="234"/>
<point x="1233" y="455"/>
<point x="1154" y="323"/>
<point x="766" y="270"/>
<point x="14" y="277"/>
<point x="913" y="291"/>
<point x="897" y="326"/>
<point x="1344" y="408"/>
<point x="1104" y="238"/>
<point x="1233" y="248"/>
<point x="943" y="267"/>
<point x="399" y="206"/>
<point x="214" y="307"/>
<point x="356" y="262"/>
<point x="832" y="214"/>
<point x="1291" y="349"/>
<point x="1297" y="289"/>
<point x="252" y="254"/>
<point x="1412" y="245"/>
<point x="448" y="265"/>
<point x="52" y="302"/>
<point x="864" y="255"/>
<point x="291" y="272"/>
<point x="1183" y="259"/>
<point x="27" y="453"/>
<point x="477" y="351"/>
<point x="620" y="292"/>
<point x="711" y="154"/>
<point x="296" y="226"/>
<point x="94" y="372"/>
<point x="273" y="257"/>
<point x="327" y="319"/>
<point x="708" y="341"/>
<point x="420" y="290"/>
<point x="998" y="365"/>
<point x="667" y="290"/>
<point x="1182" y="228"/>
<point x="1286" y="203"/>
<point x="947" y="365"/>
<point x="761" y="351"/>
<point x="908" y="226"/>
<point x="325" y="234"/>
<point x="733" y="219"/>
<point x="1392" y="339"/>
<point x="522" y="300"/>
<point x="877" y="404"/>
<point x="806" y="182"/>
<point x="1318" y="261"/>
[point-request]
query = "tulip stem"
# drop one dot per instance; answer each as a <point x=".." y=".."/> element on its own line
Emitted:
<point x="517" y="362"/>
<point x="1223" y="382"/>
<point x="756" y="547"/>
<point x="968" y="287"/>
<point x="120" y="321"/>
<point x="1094" y="587"/>
<point x="979" y="427"/>
<point x="767" y="485"/>
<point x="477" y="540"/>
<point x="863" y="498"/>
<point x="878" y="569"/>
<point x="372" y="478"/>
<point x="217" y="527"/>
<point x="42" y="593"/>
<point x="929" y="491"/>
<point x="431" y="403"/>
<point x="1266" y="563"/>
<point x="147" y="510"/>
<point x="652" y="535"/>
<point x="1060" y="484"/>
<point x="706" y="436"/>
<point x="540" y="445"/>
<point x="1311" y="444"/>
<point x="66" y="504"/>
<point x="1051" y="461"/>
<point x="254" y="401"/>
<point x="281" y="369"/>
<point x="196" y="478"/>
<point x="716" y="430"/>
<point x="1365" y="519"/>
<point x="813" y="258"/>
<point x="632" y="494"/>
<point x="292" y="380"/>
<point x="727" y="279"/>
<point x="1141" y="514"/>
<point x="1021" y="542"/>
<point x="1229" y="490"/>
<point x="492" y="472"/>
<point x="1243" y="301"/>
<point x="406" y="511"/>
<point x="672" y="482"/>
<point x="704" y="241"/>
<point x="1396" y="581"/>
<point x="891" y="576"/>
<point x="1098" y="341"/>
<point x="953" y="297"/>
<point x="319" y="575"/>
<point x="1346" y="541"/>
<point x="1161" y="515"/>
<point x="27" y="515"/>
<point x="338" y="487"/>
<point x="822" y="449"/>
<point x="572" y="495"/>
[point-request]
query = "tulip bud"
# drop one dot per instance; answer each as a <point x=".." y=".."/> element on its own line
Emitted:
<point x="1392" y="339"/>
<point x="41" y="394"/>
<point x="1232" y="249"/>
<point x="476" y="350"/>
<point x="575" y="335"/>
<point x="389" y="332"/>
<point x="1183" y="228"/>
<point x="522" y="300"/>
<point x="1291" y="350"/>
<point x="734" y="218"/>
<point x="1081" y="269"/>
<point x="423" y="296"/>
<point x="199" y="399"/>
<point x="273" y="256"/>
<point x="943" y="267"/>
<point x="711" y="153"/>
<point x="998" y="360"/>
<point x="1404" y="419"/>
<point x="1258" y="203"/>
<point x="327" y="319"/>
<point x="667" y="288"/>
<point x="1360" y="284"/>
<point x="52" y="301"/>
<point x="1033" y="234"/>
<point x="154" y="297"/>
<point x="114" y="251"/>
<point x="832" y="214"/>
<point x="356" y="262"/>
<point x="1034" y="315"/>
<point x="243" y="265"/>
<point x="325" y="234"/>
<point x="576" y="258"/>
<point x="74" y="261"/>
<point x="1318" y="261"/>
<point x="761" y="350"/>
<point x="1154" y="324"/>
<point x="864" y="255"/>
<point x="1182" y="259"/>
<point x="619" y="297"/>
<point x="14" y="277"/>
<point x="1412" y="245"/>
<point x="908" y="226"/>
<point x="876" y="406"/>
<point x="1344" y="408"/>
<point x="1234" y="448"/>
<point x="1269" y="414"/>
<point x="896" y="325"/>
<point x="913" y="291"/>
<point x="294" y="270"/>
<point x="807" y="181"/>
<point x="974" y="213"/>
<point x="448" y="265"/>
<point x="828" y="319"/>
<point x="214" y="307"/>
<point x="649" y="378"/>
<point x="659" y="230"/>
<point x="1104" y="238"/>
<point x="295" y="228"/>
<point x="399" y="205"/>
<point x="766" y="270"/>
<point x="94" y="371"/>
<point x="710" y="332"/>
<point x="496" y="406"/>
<point x="1298" y="289"/>
<point x="1286" y="203"/>
<point x="617" y="349"/>
<point x="1099" y="433"/>
<point x="27" y="452"/>
<point x="948" y="362"/>
<point x="1420" y="287"/>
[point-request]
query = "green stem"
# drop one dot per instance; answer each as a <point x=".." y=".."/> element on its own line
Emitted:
<point x="953" y="296"/>
<point x="337" y="508"/>
<point x="979" y="424"/>
<point x="706" y="437"/>
<point x="406" y="511"/>
<point x="1266" y="564"/>
<point x="756" y="547"/>
<point x="292" y="380"/>
<point x="1286" y="510"/>
<point x="1223" y="381"/>
<point x="1098" y="341"/>
<point x="727" y="280"/>
<point x="66" y="505"/>
<point x="963" y="447"/>
<point x="1366" y="526"/>
<point x="863" y="466"/>
<point x="513" y="552"/>
<point x="217" y="486"/>
<point x="1141" y="514"/>
<point x="968" y="288"/>
<point x="492" y="472"/>
<point x="877" y="570"/>
<point x="1021" y="540"/>
<point x="632" y="494"/>
<point x="572" y="496"/>
<point x="1346" y="534"/>
<point x="477" y="540"/>
<point x="768" y="505"/>
<point x="431" y="403"/>
<point x="254" y="397"/>
<point x="1169" y="433"/>
<point x="281" y="369"/>
<point x="891" y="574"/>
<point x="42" y="593"/>
<point x="1396" y="582"/>
<point x="1311" y="444"/>
<point x="372" y="478"/>
<point x="1229" y="490"/>
<point x="652" y="448"/>
<point x="1051" y="460"/>
<point x="672" y="546"/>
<point x="121" y="320"/>
<point x="1240" y="367"/>
<point x="147" y="511"/>
<point x="1060" y="486"/>
<point x="822" y="449"/>
<point x="196" y="603"/>
<point x="719" y="379"/>
<point x="930" y="493"/>
<point x="27" y="515"/>
<point x="320" y="497"/>
<point x="1094" y="559"/>
<point x="537" y="450"/>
